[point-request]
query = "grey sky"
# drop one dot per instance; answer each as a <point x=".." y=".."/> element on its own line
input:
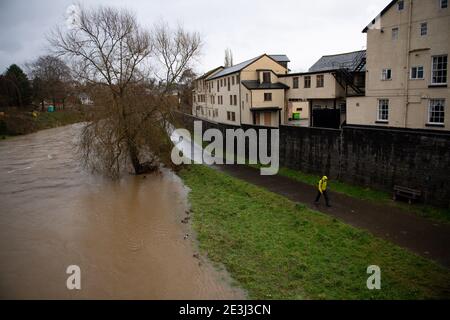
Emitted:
<point x="303" y="29"/>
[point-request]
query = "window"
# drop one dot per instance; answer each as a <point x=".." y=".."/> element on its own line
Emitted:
<point x="417" y="72"/>
<point x="267" y="96"/>
<point x="386" y="74"/>
<point x="436" y="111"/>
<point x="444" y="4"/>
<point x="307" y="81"/>
<point x="394" y="33"/>
<point x="246" y="97"/>
<point x="439" y="70"/>
<point x="231" y="116"/>
<point x="238" y="78"/>
<point x="232" y="80"/>
<point x="218" y="89"/>
<point x="228" y="83"/>
<point x="423" y="29"/>
<point x="295" y="82"/>
<point x="231" y="100"/>
<point x="383" y="110"/>
<point x="400" y="5"/>
<point x="221" y="82"/>
<point x="320" y="81"/>
<point x="194" y="98"/>
<point x="266" y="77"/>
<point x="235" y="100"/>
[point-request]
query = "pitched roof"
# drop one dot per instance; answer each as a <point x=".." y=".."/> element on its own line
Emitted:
<point x="235" y="68"/>
<point x="279" y="57"/>
<point x="255" y="85"/>
<point x="209" y="73"/>
<point x="338" y="61"/>
<point x="243" y="65"/>
<point x="380" y="14"/>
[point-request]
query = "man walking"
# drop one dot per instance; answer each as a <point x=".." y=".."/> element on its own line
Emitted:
<point x="323" y="191"/>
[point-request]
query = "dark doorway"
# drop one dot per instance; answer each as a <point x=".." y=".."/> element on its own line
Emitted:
<point x="326" y="118"/>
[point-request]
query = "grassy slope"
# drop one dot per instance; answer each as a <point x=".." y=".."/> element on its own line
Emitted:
<point x="22" y="122"/>
<point x="48" y="120"/>
<point x="277" y="249"/>
<point x="437" y="214"/>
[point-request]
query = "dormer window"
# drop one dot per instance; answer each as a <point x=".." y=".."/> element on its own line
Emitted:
<point x="266" y="77"/>
<point x="401" y="5"/>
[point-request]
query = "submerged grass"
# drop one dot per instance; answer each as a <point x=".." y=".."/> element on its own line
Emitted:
<point x="277" y="249"/>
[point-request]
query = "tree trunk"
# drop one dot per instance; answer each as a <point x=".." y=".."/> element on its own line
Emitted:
<point x="140" y="168"/>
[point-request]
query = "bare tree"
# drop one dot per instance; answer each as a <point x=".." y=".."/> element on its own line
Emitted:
<point x="51" y="79"/>
<point x="175" y="51"/>
<point x="110" y="53"/>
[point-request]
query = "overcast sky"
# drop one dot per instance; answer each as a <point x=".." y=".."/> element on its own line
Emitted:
<point x="302" y="29"/>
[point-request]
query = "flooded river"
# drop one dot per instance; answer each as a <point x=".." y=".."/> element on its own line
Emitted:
<point x="126" y="236"/>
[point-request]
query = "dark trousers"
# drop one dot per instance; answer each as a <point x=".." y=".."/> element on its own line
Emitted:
<point x="325" y="194"/>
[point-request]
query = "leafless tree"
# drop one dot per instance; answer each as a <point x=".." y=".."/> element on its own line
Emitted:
<point x="111" y="53"/>
<point x="175" y="51"/>
<point x="51" y="79"/>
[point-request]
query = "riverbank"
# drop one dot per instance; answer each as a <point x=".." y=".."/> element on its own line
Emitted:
<point x="16" y="122"/>
<point x="277" y="249"/>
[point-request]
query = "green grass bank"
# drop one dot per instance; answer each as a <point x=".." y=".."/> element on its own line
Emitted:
<point x="277" y="249"/>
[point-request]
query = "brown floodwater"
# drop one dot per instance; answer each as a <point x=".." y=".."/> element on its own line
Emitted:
<point x="126" y="236"/>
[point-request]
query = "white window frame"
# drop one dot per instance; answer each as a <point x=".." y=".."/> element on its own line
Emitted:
<point x="441" y="4"/>
<point x="379" y="119"/>
<point x="423" y="29"/>
<point x="430" y="105"/>
<point x="416" y="77"/>
<point x="384" y="74"/>
<point x="432" y="70"/>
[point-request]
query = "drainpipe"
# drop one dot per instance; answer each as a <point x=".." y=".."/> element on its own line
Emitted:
<point x="240" y="101"/>
<point x="408" y="47"/>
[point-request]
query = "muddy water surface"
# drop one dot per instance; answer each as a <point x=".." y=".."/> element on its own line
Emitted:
<point x="125" y="236"/>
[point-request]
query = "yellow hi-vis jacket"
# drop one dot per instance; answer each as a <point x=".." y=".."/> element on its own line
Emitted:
<point x="323" y="184"/>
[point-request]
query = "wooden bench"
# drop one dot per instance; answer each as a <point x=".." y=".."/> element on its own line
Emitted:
<point x="408" y="193"/>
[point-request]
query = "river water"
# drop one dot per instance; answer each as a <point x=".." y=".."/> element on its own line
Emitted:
<point x="126" y="236"/>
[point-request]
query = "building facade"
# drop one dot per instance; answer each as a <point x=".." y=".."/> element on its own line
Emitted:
<point x="247" y="93"/>
<point x="317" y="98"/>
<point x="261" y="91"/>
<point x="407" y="68"/>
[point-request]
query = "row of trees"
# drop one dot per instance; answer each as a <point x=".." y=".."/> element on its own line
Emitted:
<point x="50" y="81"/>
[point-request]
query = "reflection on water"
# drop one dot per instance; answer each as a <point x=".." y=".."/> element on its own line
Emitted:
<point x="126" y="236"/>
